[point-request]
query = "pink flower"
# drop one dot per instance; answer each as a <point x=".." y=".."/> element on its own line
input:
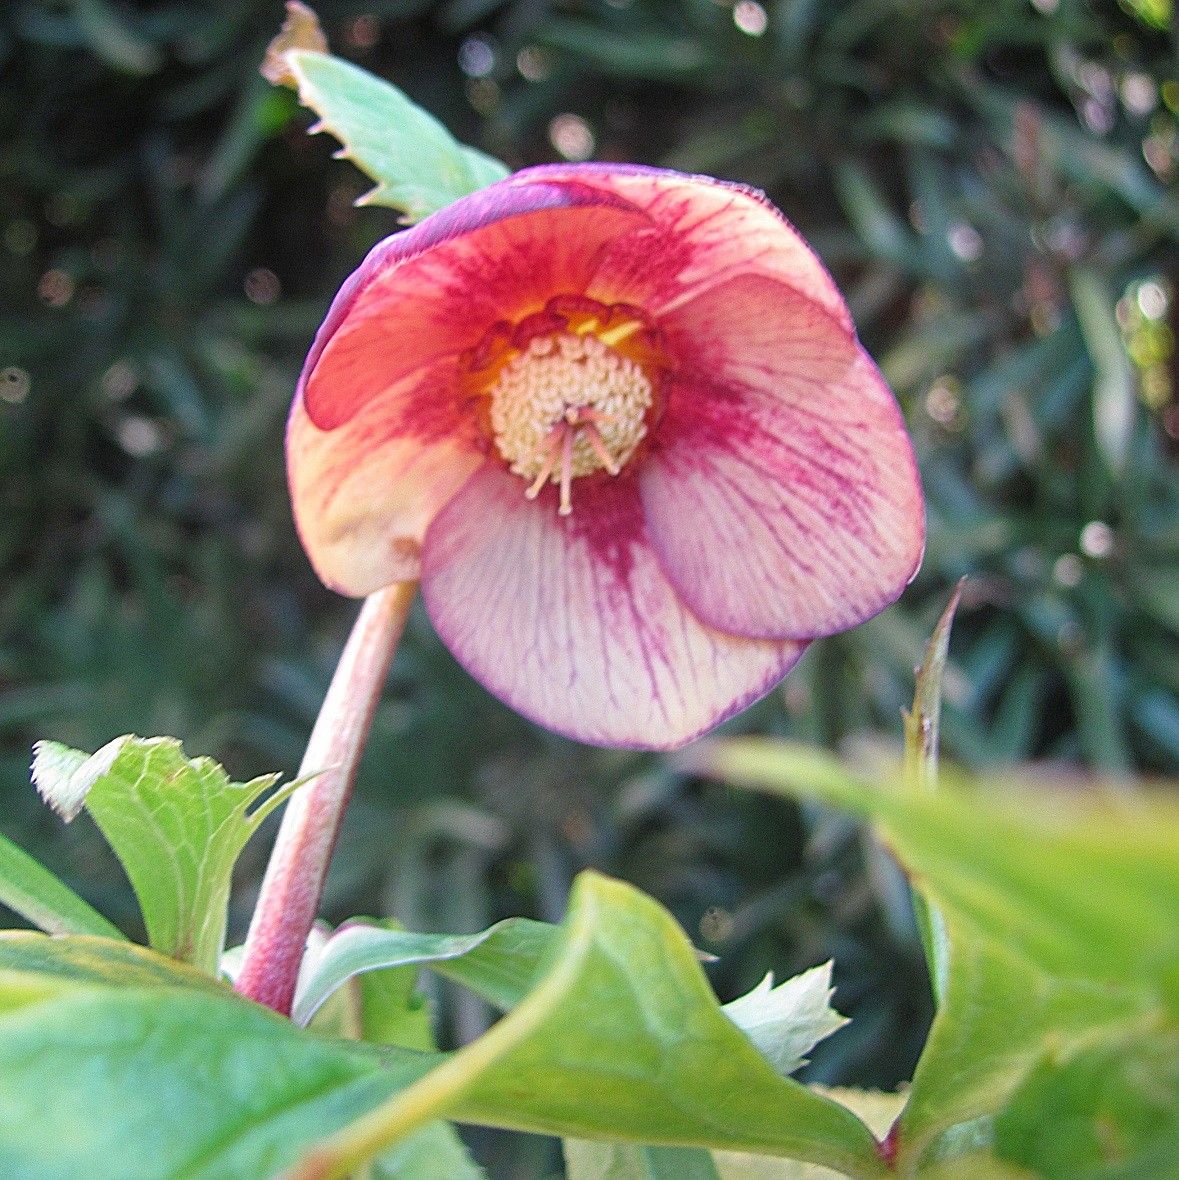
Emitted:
<point x="618" y="422"/>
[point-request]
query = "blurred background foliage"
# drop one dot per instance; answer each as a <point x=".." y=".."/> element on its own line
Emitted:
<point x="992" y="184"/>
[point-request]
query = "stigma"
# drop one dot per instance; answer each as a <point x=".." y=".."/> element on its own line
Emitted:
<point x="568" y="405"/>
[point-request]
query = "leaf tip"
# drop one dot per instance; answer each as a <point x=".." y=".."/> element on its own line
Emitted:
<point x="63" y="777"/>
<point x="300" y="30"/>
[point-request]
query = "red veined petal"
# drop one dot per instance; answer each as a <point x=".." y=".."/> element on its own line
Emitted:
<point x="571" y="622"/>
<point x="435" y="290"/>
<point x="364" y="493"/>
<point x="700" y="233"/>
<point x="781" y="492"/>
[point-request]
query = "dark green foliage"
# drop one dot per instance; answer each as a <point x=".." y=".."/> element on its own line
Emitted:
<point x="989" y="184"/>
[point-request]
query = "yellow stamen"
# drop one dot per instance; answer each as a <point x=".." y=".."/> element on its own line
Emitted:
<point x="613" y="337"/>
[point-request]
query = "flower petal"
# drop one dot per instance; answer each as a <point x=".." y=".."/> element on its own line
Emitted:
<point x="364" y="493"/>
<point x="700" y="233"/>
<point x="434" y="290"/>
<point x="781" y="492"/>
<point x="570" y="621"/>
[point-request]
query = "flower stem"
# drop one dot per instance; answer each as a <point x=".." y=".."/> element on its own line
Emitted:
<point x="298" y="865"/>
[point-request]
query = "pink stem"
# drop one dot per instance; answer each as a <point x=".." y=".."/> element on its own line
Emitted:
<point x="298" y="865"/>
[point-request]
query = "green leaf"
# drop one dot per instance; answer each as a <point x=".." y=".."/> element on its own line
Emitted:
<point x="1109" y="1111"/>
<point x="98" y="961"/>
<point x="613" y="1042"/>
<point x="102" y="1042"/>
<point x="1081" y="883"/>
<point x="117" y="1062"/>
<point x="32" y="891"/>
<point x="434" y="1153"/>
<point x="997" y="1015"/>
<point x="418" y="165"/>
<point x="499" y="963"/>
<point x="922" y="736"/>
<point x="588" y="1160"/>
<point x="1061" y="921"/>
<point x="1115" y="398"/>
<point x="391" y="1011"/>
<point x="178" y="827"/>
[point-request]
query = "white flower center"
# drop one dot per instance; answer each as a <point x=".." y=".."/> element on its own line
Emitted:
<point x="568" y="405"/>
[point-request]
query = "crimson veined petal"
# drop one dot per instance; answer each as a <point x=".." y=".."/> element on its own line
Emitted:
<point x="699" y="233"/>
<point x="571" y="621"/>
<point x="435" y="290"/>
<point x="364" y="493"/>
<point x="782" y="494"/>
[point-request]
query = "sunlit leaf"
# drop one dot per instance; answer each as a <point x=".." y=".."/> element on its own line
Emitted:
<point x="787" y="1021"/>
<point x="612" y="1042"/>
<point x="418" y="165"/>
<point x="177" y="825"/>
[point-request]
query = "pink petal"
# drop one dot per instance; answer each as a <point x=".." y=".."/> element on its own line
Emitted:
<point x="701" y="232"/>
<point x="364" y="493"/>
<point x="435" y="290"/>
<point x="570" y="621"/>
<point x="781" y="492"/>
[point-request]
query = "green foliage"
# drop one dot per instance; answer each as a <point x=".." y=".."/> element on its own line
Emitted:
<point x="1112" y="1110"/>
<point x="612" y="1042"/>
<point x="100" y="1040"/>
<point x="1059" y="930"/>
<point x="36" y="894"/>
<point x="614" y="1161"/>
<point x="499" y="964"/>
<point x="178" y="827"/>
<point x="100" y="1057"/>
<point x="418" y="166"/>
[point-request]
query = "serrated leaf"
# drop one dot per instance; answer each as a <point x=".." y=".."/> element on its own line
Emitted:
<point x="614" y="1041"/>
<point x="31" y="890"/>
<point x="178" y="827"/>
<point x="418" y="166"/>
<point x="786" y="1022"/>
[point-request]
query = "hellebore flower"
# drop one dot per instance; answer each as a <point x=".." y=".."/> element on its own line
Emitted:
<point x="617" y="421"/>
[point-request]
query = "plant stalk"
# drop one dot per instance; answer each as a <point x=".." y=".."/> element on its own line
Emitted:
<point x="295" y="875"/>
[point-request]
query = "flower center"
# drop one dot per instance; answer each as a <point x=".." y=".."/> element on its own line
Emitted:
<point x="568" y="405"/>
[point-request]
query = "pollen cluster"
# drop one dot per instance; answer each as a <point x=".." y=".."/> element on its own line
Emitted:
<point x="568" y="405"/>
